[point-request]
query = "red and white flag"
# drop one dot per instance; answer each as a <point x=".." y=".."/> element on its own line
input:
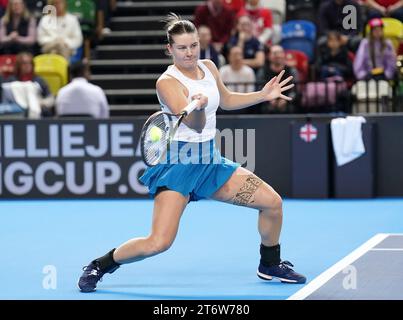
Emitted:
<point x="308" y="133"/>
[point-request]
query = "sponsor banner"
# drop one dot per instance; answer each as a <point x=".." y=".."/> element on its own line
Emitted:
<point x="71" y="159"/>
<point x="88" y="158"/>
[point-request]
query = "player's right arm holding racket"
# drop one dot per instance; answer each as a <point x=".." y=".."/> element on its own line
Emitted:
<point x="174" y="95"/>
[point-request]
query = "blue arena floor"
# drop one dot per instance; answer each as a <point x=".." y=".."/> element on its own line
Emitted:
<point x="45" y="244"/>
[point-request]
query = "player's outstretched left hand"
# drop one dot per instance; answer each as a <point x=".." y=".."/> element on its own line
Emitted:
<point x="275" y="87"/>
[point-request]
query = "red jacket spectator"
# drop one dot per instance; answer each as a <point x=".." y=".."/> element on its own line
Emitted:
<point x="385" y="8"/>
<point x="235" y="5"/>
<point x="262" y="20"/>
<point x="386" y="3"/>
<point x="219" y="18"/>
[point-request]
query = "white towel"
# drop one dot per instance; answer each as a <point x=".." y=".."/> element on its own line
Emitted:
<point x="26" y="94"/>
<point x="347" y="139"/>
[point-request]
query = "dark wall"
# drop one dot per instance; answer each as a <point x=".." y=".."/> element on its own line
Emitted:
<point x="389" y="155"/>
<point x="273" y="141"/>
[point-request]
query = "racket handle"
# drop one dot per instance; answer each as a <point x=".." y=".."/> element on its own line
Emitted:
<point x="190" y="107"/>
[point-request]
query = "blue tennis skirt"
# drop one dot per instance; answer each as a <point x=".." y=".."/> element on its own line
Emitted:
<point x="194" y="169"/>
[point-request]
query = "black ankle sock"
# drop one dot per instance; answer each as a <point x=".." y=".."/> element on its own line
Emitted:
<point x="106" y="262"/>
<point x="269" y="256"/>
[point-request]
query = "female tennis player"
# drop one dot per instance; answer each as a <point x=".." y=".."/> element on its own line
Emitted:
<point x="173" y="185"/>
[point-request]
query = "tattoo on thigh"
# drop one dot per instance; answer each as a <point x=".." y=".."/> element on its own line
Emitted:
<point x="245" y="195"/>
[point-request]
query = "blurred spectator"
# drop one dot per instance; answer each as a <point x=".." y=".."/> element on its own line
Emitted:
<point x="331" y="17"/>
<point x="219" y="18"/>
<point x="80" y="97"/>
<point x="26" y="89"/>
<point x="235" y="5"/>
<point x="3" y="6"/>
<point x="262" y="20"/>
<point x="17" y="29"/>
<point x="238" y="76"/>
<point x="333" y="60"/>
<point x="105" y="8"/>
<point x="24" y="71"/>
<point x="253" y="50"/>
<point x="385" y="8"/>
<point x="207" y="50"/>
<point x="62" y="35"/>
<point x="275" y="62"/>
<point x="375" y="58"/>
<point x="7" y="65"/>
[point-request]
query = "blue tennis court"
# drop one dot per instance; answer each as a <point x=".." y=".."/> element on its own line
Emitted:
<point x="45" y="244"/>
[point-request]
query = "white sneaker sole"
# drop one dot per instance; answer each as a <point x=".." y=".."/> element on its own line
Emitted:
<point x="266" y="277"/>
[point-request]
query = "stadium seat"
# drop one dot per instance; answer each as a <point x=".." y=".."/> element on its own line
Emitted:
<point x="393" y="30"/>
<point x="7" y="64"/>
<point x="299" y="35"/>
<point x="78" y="55"/>
<point x="53" y="68"/>
<point x="299" y="61"/>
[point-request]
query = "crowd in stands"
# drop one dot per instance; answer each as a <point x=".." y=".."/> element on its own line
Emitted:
<point x="317" y="43"/>
<point x="36" y="36"/>
<point x="250" y="41"/>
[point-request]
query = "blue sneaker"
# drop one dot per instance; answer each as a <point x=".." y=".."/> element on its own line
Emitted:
<point x="90" y="277"/>
<point x="282" y="271"/>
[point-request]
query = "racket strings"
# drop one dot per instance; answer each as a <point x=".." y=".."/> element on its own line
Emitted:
<point x="154" y="148"/>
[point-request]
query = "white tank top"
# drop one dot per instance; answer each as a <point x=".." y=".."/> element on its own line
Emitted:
<point x="208" y="87"/>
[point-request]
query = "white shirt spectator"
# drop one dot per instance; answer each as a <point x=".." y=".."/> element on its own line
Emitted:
<point x="67" y="28"/>
<point x="82" y="97"/>
<point x="242" y="80"/>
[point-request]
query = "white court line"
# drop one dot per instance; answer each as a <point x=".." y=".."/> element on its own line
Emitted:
<point x="386" y="249"/>
<point x="324" y="277"/>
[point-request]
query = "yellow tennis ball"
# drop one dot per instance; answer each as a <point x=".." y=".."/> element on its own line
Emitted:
<point x="155" y="134"/>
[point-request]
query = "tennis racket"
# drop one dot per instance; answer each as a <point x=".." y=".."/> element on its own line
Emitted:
<point x="158" y="132"/>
